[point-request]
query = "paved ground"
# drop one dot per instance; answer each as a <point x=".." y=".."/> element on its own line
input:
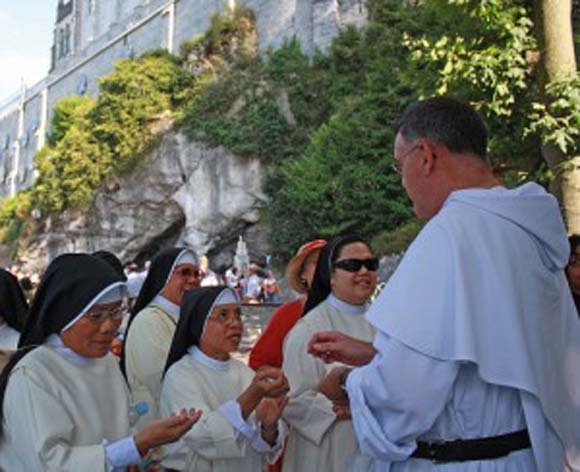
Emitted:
<point x="255" y="319"/>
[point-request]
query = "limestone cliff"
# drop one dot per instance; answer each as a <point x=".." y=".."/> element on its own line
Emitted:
<point x="181" y="193"/>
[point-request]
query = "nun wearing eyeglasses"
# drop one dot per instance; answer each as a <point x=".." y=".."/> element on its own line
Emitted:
<point x="13" y="308"/>
<point x="152" y="323"/>
<point x="321" y="434"/>
<point x="241" y="428"/>
<point x="64" y="404"/>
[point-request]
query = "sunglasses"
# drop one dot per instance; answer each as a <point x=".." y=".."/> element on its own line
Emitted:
<point x="354" y="265"/>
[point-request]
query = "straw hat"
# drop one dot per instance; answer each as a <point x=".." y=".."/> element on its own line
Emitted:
<point x="295" y="266"/>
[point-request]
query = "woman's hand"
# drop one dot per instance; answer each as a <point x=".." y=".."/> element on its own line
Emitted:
<point x="270" y="410"/>
<point x="165" y="431"/>
<point x="342" y="410"/>
<point x="268" y="382"/>
<point x="333" y="346"/>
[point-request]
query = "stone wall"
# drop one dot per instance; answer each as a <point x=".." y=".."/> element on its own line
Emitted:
<point x="120" y="29"/>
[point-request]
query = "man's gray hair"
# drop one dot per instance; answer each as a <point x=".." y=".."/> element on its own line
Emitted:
<point x="445" y="121"/>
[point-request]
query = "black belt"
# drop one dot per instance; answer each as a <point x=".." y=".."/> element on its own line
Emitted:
<point x="461" y="450"/>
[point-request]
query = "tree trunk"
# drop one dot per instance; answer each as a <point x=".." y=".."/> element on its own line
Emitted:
<point x="558" y="61"/>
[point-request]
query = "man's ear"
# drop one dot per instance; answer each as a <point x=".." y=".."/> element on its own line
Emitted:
<point x="428" y="157"/>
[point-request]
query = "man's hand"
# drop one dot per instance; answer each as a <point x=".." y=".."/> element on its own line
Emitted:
<point x="333" y="346"/>
<point x="329" y="386"/>
<point x="165" y="431"/>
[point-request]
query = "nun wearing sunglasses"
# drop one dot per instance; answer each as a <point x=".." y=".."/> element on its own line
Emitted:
<point x="321" y="434"/>
<point x="240" y="429"/>
<point x="64" y="404"/>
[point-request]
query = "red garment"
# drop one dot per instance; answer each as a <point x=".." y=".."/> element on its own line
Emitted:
<point x="268" y="348"/>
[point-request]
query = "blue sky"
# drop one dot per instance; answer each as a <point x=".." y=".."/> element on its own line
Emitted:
<point x="25" y="40"/>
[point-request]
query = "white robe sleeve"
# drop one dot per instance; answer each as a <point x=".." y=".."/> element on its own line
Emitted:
<point x="212" y="437"/>
<point x="47" y="427"/>
<point x="392" y="403"/>
<point x="308" y="411"/>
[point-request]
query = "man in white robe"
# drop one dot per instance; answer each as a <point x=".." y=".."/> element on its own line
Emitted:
<point x="477" y="340"/>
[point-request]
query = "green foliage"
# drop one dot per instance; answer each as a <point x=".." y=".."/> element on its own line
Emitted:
<point x="13" y="213"/>
<point x="92" y="140"/>
<point x="559" y="122"/>
<point x="264" y="108"/>
<point x="397" y="240"/>
<point x="66" y="114"/>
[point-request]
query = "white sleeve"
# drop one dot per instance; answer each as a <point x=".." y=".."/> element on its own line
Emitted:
<point x="396" y="398"/>
<point x="232" y="412"/>
<point x="212" y="437"/>
<point x="46" y="426"/>
<point x="121" y="453"/>
<point x="308" y="410"/>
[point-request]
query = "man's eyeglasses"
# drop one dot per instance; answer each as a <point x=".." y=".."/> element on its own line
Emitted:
<point x="398" y="164"/>
<point x="354" y="265"/>
<point x="97" y="317"/>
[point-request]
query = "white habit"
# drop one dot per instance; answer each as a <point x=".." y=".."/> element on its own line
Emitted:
<point x="317" y="441"/>
<point x="220" y="441"/>
<point x="60" y="414"/>
<point x="477" y="337"/>
<point x="147" y="347"/>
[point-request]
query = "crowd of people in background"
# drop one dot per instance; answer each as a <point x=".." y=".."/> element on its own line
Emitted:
<point x="467" y="358"/>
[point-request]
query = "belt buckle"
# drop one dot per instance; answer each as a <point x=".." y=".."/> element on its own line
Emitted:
<point x="434" y="450"/>
<point x="441" y="449"/>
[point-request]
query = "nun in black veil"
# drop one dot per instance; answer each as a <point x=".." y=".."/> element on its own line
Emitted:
<point x="152" y="323"/>
<point x="13" y="308"/>
<point x="64" y="404"/>
<point x="241" y="428"/>
<point x="322" y="436"/>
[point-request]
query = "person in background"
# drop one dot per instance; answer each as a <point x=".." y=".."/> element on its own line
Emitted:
<point x="299" y="274"/>
<point x="64" y="404"/>
<point x="13" y="309"/>
<point x="270" y="288"/>
<point x="321" y="434"/>
<point x="573" y="269"/>
<point x="152" y="323"/>
<point x="241" y="428"/>
<point x="253" y="286"/>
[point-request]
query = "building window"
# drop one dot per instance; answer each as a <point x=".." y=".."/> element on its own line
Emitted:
<point x="91" y="6"/>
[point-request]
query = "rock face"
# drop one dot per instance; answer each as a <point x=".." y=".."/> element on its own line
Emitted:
<point x="182" y="193"/>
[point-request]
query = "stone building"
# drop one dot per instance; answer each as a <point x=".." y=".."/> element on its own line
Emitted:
<point x="90" y="35"/>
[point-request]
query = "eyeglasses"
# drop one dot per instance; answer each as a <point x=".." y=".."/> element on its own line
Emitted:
<point x="398" y="164"/>
<point x="188" y="273"/>
<point x="98" y="317"/>
<point x="224" y="317"/>
<point x="354" y="265"/>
